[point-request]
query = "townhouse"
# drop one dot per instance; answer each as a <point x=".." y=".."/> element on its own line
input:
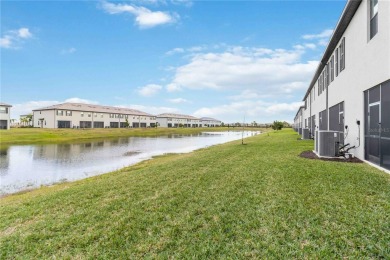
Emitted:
<point x="77" y="115"/>
<point x="5" y="116"/>
<point x="177" y="120"/>
<point x="348" y="100"/>
<point x="210" y="122"/>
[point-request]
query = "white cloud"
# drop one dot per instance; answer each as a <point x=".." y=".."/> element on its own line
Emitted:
<point x="174" y="51"/>
<point x="149" y="90"/>
<point x="260" y="111"/>
<point x="6" y="42"/>
<point x="24" y="33"/>
<point x="283" y="107"/>
<point x="144" y="17"/>
<point x="190" y="50"/>
<point x="178" y="100"/>
<point x="68" y="51"/>
<point x="239" y="68"/>
<point x="323" y="35"/>
<point x="173" y="87"/>
<point x="310" y="46"/>
<point x="80" y="100"/>
<point x="12" y="39"/>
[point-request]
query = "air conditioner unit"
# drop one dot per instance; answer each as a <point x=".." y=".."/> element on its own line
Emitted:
<point x="305" y="134"/>
<point x="300" y="131"/>
<point x="327" y="142"/>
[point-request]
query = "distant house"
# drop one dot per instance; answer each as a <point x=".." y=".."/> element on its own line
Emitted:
<point x="210" y="122"/>
<point x="5" y="111"/>
<point x="177" y="120"/>
<point x="347" y="104"/>
<point x="77" y="115"/>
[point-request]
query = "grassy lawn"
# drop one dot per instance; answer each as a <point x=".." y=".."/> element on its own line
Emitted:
<point x="39" y="135"/>
<point x="258" y="200"/>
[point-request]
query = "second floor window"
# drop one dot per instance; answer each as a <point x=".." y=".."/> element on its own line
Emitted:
<point x="373" y="18"/>
<point x="342" y="55"/>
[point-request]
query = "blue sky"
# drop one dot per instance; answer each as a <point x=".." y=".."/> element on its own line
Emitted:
<point x="222" y="59"/>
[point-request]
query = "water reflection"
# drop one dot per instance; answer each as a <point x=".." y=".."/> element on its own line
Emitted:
<point x="30" y="166"/>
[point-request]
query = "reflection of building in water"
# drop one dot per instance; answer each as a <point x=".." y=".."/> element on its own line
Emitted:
<point x="65" y="152"/>
<point x="4" y="158"/>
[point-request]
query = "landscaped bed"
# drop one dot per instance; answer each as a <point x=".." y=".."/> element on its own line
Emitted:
<point x="312" y="155"/>
<point x="259" y="200"/>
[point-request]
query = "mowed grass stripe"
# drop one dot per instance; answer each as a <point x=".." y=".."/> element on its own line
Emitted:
<point x="258" y="200"/>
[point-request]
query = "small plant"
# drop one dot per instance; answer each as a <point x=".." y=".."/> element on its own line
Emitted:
<point x="277" y="125"/>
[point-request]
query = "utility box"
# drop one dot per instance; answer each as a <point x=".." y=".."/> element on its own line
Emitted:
<point x="326" y="142"/>
<point x="305" y="134"/>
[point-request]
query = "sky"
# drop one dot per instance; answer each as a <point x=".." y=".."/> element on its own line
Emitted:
<point x="230" y="60"/>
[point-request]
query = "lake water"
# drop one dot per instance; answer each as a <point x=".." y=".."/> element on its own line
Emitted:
<point x="30" y="166"/>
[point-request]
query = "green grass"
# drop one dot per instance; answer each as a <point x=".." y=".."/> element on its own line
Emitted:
<point x="40" y="135"/>
<point x="259" y="200"/>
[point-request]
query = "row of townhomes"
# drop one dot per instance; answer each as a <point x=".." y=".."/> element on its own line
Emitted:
<point x="347" y="105"/>
<point x="5" y="111"/>
<point x="77" y="115"/>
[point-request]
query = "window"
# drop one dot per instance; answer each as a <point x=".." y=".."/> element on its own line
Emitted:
<point x="373" y="18"/>
<point x="4" y="110"/>
<point x="342" y="55"/>
<point x="337" y="62"/>
<point x="101" y="115"/>
<point x="332" y="69"/>
<point x="68" y="113"/>
<point x="89" y="114"/>
<point x="95" y="114"/>
<point x="60" y="112"/>
<point x="82" y="114"/>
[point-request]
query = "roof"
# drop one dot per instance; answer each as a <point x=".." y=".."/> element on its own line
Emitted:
<point x="209" y="119"/>
<point x="345" y="19"/>
<point x="300" y="108"/>
<point x="4" y="104"/>
<point x="171" y="115"/>
<point x="94" y="108"/>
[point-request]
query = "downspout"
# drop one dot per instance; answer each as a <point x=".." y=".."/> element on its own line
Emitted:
<point x="327" y="96"/>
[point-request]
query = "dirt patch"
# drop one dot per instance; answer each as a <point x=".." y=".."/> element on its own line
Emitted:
<point x="312" y="155"/>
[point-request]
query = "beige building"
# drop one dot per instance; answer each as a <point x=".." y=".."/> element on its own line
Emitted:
<point x="5" y="118"/>
<point x="78" y="115"/>
<point x="210" y="122"/>
<point x="177" y="120"/>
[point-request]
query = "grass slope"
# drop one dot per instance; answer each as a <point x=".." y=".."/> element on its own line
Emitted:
<point x="40" y="135"/>
<point x="258" y="200"/>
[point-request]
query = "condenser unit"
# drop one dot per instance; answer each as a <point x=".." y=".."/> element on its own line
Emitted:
<point x="327" y="142"/>
<point x="305" y="134"/>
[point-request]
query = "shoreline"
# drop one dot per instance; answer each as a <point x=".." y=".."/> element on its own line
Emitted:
<point x="26" y="136"/>
<point x="153" y="157"/>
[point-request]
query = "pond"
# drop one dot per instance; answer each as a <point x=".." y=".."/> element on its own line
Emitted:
<point x="31" y="166"/>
